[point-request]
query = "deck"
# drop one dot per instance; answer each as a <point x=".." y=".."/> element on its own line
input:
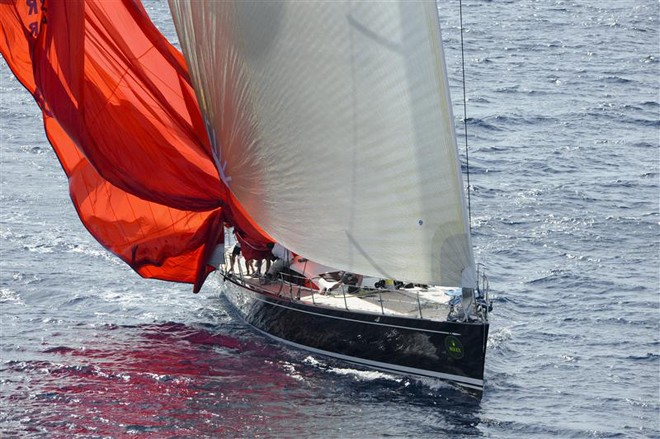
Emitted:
<point x="427" y="303"/>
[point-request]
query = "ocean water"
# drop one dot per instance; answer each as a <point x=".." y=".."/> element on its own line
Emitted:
<point x="564" y="133"/>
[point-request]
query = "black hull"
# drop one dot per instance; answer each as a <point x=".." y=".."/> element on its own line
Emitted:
<point x="449" y="351"/>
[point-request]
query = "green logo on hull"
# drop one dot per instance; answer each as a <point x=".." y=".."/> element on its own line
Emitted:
<point x="454" y="347"/>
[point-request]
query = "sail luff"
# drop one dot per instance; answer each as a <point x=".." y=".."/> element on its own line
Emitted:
<point x="469" y="275"/>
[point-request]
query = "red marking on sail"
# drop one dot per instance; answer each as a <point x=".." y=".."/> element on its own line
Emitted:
<point x="121" y="114"/>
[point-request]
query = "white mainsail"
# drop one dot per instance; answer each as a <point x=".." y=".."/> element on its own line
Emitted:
<point x="331" y="123"/>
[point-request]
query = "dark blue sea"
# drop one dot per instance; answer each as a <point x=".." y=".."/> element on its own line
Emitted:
<point x="564" y="133"/>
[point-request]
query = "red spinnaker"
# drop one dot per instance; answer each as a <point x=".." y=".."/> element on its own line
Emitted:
<point x="122" y="117"/>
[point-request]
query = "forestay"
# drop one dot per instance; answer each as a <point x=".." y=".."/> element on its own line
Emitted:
<point x="331" y="123"/>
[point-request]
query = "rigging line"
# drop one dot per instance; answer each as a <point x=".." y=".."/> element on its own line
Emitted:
<point x="467" y="155"/>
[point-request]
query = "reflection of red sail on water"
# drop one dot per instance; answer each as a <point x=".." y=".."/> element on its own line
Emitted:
<point x="158" y="378"/>
<point x="123" y="119"/>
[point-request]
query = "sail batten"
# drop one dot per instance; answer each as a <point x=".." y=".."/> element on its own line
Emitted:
<point x="331" y="124"/>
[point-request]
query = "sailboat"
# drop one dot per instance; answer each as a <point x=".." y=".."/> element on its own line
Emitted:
<point x="321" y="128"/>
<point x="332" y="125"/>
